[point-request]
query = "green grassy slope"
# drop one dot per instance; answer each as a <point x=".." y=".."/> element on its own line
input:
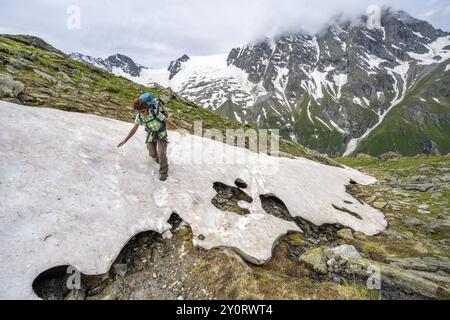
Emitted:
<point x="404" y="130"/>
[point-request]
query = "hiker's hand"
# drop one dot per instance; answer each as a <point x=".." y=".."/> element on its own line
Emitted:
<point x="121" y="144"/>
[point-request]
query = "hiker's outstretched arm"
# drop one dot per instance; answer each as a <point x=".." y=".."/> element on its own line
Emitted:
<point x="171" y="123"/>
<point x="130" y="135"/>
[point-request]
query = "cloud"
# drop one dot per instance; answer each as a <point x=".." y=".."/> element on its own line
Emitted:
<point x="155" y="32"/>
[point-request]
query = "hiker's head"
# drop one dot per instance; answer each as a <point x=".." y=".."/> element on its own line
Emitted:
<point x="140" y="105"/>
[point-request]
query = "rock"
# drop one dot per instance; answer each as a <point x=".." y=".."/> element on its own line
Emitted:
<point x="345" y="252"/>
<point x="345" y="234"/>
<point x="336" y="279"/>
<point x="440" y="225"/>
<point x="44" y="75"/>
<point x="424" y="209"/>
<point x="389" y="156"/>
<point x="120" y="269"/>
<point x="379" y="204"/>
<point x="391" y="274"/>
<point x="75" y="295"/>
<point x="422" y="187"/>
<point x="436" y="277"/>
<point x="429" y="264"/>
<point x="21" y="64"/>
<point x="11" y="69"/>
<point x="413" y="222"/>
<point x="420" y="248"/>
<point x="331" y="263"/>
<point x="315" y="259"/>
<point x="167" y="235"/>
<point x="65" y="77"/>
<point x="359" y="236"/>
<point x="411" y="281"/>
<point x="364" y="156"/>
<point x="10" y="88"/>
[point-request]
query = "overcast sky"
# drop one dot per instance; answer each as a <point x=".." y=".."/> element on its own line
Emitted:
<point x="155" y="32"/>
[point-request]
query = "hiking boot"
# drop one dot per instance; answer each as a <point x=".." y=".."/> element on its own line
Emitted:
<point x="163" y="177"/>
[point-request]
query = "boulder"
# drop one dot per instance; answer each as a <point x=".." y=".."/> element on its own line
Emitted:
<point x="389" y="156"/>
<point x="345" y="234"/>
<point x="380" y="204"/>
<point x="440" y="225"/>
<point x="120" y="269"/>
<point x="345" y="252"/>
<point x="347" y="259"/>
<point x="315" y="259"/>
<point x="46" y="76"/>
<point x="364" y="156"/>
<point x="429" y="264"/>
<point x="10" y="88"/>
<point x="413" y="222"/>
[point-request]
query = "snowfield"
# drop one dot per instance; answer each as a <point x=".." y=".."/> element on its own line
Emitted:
<point x="70" y="197"/>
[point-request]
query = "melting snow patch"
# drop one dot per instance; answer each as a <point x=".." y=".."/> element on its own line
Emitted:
<point x="237" y="117"/>
<point x="357" y="100"/>
<point x="337" y="127"/>
<point x="70" y="197"/>
<point x="436" y="52"/>
<point x="340" y="80"/>
<point x="324" y="123"/>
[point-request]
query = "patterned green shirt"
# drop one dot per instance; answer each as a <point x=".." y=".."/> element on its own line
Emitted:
<point x="152" y="126"/>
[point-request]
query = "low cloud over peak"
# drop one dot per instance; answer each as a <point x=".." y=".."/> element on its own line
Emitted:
<point x="155" y="32"/>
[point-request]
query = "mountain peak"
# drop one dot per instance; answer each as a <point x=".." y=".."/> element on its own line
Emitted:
<point x="175" y="66"/>
<point x="116" y="61"/>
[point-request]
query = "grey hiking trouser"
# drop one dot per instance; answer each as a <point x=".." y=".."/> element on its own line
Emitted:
<point x="157" y="150"/>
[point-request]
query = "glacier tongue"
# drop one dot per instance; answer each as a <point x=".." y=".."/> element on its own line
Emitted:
<point x="70" y="197"/>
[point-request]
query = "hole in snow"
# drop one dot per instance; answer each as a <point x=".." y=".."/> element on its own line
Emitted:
<point x="52" y="284"/>
<point x="313" y="233"/>
<point x="241" y="184"/>
<point x="228" y="197"/>
<point x="354" y="214"/>
<point x="274" y="206"/>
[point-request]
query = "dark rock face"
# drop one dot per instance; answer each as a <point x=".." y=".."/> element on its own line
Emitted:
<point x="429" y="147"/>
<point x="175" y="66"/>
<point x="125" y="63"/>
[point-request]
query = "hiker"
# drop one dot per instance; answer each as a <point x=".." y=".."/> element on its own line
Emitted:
<point x="152" y="115"/>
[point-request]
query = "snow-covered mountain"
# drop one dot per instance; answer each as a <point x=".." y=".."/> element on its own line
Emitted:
<point x="333" y="91"/>
<point x="117" y="64"/>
